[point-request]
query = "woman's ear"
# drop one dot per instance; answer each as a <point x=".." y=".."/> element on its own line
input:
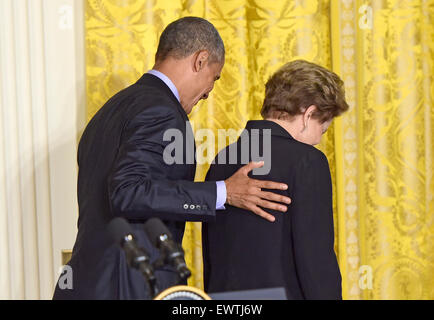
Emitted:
<point x="308" y="114"/>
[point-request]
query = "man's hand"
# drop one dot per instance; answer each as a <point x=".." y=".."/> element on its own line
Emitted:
<point x="244" y="192"/>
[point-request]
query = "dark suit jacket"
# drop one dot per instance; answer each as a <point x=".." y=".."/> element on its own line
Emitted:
<point x="243" y="251"/>
<point x="122" y="173"/>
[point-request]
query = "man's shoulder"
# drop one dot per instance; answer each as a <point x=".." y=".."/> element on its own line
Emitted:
<point x="149" y="92"/>
<point x="147" y="96"/>
<point x="141" y="100"/>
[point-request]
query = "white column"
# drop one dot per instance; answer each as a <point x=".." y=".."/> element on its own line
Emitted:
<point x="64" y="60"/>
<point x="42" y="113"/>
<point x="11" y="158"/>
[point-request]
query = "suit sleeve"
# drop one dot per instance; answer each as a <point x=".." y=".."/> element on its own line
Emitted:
<point x="138" y="184"/>
<point x="313" y="235"/>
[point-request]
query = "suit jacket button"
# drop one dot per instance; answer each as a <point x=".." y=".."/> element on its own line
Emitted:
<point x="192" y="206"/>
<point x="185" y="206"/>
<point x="198" y="207"/>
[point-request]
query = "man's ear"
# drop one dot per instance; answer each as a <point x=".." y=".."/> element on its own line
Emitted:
<point x="200" y="60"/>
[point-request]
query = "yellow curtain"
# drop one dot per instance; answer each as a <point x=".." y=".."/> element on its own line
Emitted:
<point x="380" y="152"/>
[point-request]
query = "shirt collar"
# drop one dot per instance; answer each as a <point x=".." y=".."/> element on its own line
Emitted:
<point x="276" y="129"/>
<point x="167" y="81"/>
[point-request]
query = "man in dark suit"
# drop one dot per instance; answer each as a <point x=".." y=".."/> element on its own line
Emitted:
<point x="125" y="172"/>
<point x="242" y="251"/>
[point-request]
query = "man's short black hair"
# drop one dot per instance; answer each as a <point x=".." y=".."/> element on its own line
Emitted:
<point x="188" y="35"/>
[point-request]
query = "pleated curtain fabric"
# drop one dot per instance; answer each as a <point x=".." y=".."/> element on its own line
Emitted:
<point x="380" y="152"/>
<point x="39" y="126"/>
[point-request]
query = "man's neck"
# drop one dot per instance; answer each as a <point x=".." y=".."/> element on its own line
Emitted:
<point x="174" y="69"/>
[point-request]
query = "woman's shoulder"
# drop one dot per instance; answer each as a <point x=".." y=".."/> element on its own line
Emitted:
<point x="304" y="154"/>
<point x="305" y="150"/>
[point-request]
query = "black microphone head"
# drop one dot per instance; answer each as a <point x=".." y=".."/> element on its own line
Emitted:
<point x="154" y="227"/>
<point x="118" y="229"/>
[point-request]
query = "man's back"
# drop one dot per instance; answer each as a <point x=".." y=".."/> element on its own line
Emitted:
<point x="99" y="266"/>
<point x="243" y="251"/>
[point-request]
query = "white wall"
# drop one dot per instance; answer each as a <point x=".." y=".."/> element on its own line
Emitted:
<point x="42" y="114"/>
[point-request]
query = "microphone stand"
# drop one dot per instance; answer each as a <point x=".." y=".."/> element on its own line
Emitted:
<point x="148" y="275"/>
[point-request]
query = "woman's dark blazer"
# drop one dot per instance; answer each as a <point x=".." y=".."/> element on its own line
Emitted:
<point x="243" y="251"/>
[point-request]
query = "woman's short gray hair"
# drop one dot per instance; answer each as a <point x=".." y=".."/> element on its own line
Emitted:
<point x="188" y="35"/>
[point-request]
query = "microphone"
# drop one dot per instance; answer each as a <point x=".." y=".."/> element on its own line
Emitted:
<point x="137" y="258"/>
<point x="171" y="252"/>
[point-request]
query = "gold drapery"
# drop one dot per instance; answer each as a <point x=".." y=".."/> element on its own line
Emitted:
<point x="380" y="152"/>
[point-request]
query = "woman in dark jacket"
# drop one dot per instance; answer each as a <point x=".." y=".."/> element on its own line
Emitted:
<point x="242" y="251"/>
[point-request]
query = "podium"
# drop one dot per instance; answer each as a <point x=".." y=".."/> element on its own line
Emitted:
<point x="192" y="293"/>
<point x="258" y="294"/>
